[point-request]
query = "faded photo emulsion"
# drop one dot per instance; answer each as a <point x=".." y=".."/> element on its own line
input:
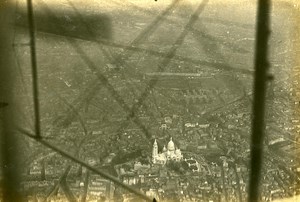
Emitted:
<point x="149" y="100"/>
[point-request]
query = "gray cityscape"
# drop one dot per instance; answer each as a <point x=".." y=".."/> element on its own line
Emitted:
<point x="157" y="95"/>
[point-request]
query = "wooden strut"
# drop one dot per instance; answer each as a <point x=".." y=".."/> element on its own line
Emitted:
<point x="259" y="89"/>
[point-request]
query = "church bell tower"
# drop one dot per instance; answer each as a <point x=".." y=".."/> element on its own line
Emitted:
<point x="154" y="151"/>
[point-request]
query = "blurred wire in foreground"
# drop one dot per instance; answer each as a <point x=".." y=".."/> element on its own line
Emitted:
<point x="260" y="80"/>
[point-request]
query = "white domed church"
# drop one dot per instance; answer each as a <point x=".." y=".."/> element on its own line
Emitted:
<point x="167" y="154"/>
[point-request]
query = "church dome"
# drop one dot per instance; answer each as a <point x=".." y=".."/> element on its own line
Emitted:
<point x="178" y="152"/>
<point x="164" y="149"/>
<point x="171" y="145"/>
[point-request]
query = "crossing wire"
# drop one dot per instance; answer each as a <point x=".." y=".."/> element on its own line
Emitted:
<point x="171" y="53"/>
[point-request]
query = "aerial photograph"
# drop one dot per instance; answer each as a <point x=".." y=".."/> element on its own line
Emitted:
<point x="149" y="100"/>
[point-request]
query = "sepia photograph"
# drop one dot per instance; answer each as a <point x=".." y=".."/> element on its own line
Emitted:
<point x="149" y="100"/>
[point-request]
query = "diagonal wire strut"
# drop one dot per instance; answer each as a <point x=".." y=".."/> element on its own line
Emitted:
<point x="82" y="163"/>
